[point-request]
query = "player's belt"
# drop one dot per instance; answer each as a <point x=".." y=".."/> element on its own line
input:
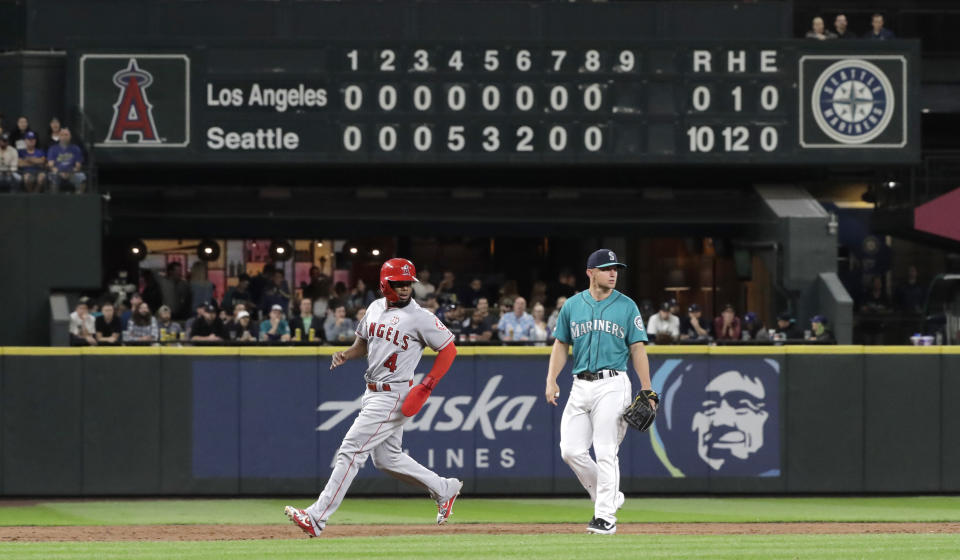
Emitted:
<point x="377" y="387"/>
<point x="594" y="376"/>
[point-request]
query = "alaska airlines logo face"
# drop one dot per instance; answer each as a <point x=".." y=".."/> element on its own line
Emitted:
<point x="489" y="411"/>
<point x="718" y="420"/>
<point x="132" y="113"/>
<point x="852" y="101"/>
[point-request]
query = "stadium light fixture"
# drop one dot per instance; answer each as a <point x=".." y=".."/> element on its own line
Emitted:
<point x="281" y="250"/>
<point x="208" y="250"/>
<point x="137" y="250"/>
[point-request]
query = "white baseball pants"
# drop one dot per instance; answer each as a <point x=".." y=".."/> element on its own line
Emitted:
<point x="377" y="430"/>
<point x="593" y="415"/>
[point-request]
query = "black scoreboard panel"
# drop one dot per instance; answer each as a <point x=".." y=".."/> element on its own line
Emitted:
<point x="553" y="103"/>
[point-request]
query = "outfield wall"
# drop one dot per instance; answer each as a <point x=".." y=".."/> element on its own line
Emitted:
<point x="248" y="421"/>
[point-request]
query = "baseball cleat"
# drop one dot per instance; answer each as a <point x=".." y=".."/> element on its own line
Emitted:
<point x="445" y="507"/>
<point x="620" y="500"/>
<point x="303" y="520"/>
<point x="600" y="526"/>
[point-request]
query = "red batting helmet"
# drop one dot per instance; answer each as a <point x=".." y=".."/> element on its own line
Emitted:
<point x="396" y="270"/>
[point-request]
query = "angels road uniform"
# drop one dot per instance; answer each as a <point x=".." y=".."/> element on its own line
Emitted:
<point x="396" y="338"/>
<point x="601" y="333"/>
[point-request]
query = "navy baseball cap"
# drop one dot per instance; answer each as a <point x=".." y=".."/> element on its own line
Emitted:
<point x="602" y="258"/>
<point x="30" y="135"/>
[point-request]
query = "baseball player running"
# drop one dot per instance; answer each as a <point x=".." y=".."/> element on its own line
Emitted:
<point x="605" y="327"/>
<point x="392" y="335"/>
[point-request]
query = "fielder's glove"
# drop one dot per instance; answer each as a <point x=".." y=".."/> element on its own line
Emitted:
<point x="640" y="414"/>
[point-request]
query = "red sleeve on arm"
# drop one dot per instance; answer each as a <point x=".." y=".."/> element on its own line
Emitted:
<point x="441" y="365"/>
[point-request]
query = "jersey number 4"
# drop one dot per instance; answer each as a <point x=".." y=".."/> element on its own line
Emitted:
<point x="391" y="363"/>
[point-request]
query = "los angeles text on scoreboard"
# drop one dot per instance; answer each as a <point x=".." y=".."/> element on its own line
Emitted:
<point x="612" y="102"/>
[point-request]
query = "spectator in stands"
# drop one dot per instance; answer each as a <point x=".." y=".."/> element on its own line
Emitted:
<point x="175" y="291"/>
<point x="275" y="328"/>
<point x="431" y="304"/>
<point x="142" y="326"/>
<point x="339" y="296"/>
<point x="309" y="326"/>
<point x="208" y="327"/>
<point x="876" y="300"/>
<point x="423" y="288"/>
<point x="538" y="294"/>
<point x="53" y="133"/>
<point x="818" y="31"/>
<point x="64" y="163"/>
<point x="107" y="325"/>
<point x="197" y="316"/>
<point x="360" y="297"/>
<point x="169" y="329"/>
<point x="878" y="32"/>
<point x="244" y="329"/>
<point x="787" y="327"/>
<point x="201" y="288"/>
<point x="552" y="320"/>
<point x="361" y="313"/>
<point x="19" y="134"/>
<point x="471" y="294"/>
<point x="479" y="327"/>
<point x="727" y="325"/>
<point x="565" y="286"/>
<point x="32" y="163"/>
<point x="505" y="307"/>
<point x="646" y="308"/>
<point x="260" y="283"/>
<point x="453" y="317"/>
<point x="447" y="288"/>
<point x="339" y="328"/>
<point x="82" y="325"/>
<point x="674" y="307"/>
<point x="277" y="293"/>
<point x="238" y="294"/>
<point x="518" y="325"/>
<point x="753" y="328"/>
<point x="663" y="326"/>
<point x="9" y="162"/>
<point x="540" y="332"/>
<point x="840" y="25"/>
<point x="693" y="327"/>
<point x="819" y="331"/>
<point x="133" y="302"/>
<point x="911" y="296"/>
<point x="319" y="286"/>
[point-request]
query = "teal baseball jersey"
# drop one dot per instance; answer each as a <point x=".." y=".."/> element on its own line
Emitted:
<point x="601" y="332"/>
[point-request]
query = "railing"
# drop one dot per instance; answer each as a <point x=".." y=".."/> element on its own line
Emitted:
<point x="86" y="133"/>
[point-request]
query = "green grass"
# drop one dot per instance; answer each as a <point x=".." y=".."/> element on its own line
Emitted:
<point x="478" y="547"/>
<point x="481" y="510"/>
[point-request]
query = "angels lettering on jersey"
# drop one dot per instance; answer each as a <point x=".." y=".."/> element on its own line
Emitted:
<point x="396" y="338"/>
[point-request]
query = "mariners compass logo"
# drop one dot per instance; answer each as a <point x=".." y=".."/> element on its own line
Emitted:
<point x="852" y="101"/>
<point x="132" y="113"/>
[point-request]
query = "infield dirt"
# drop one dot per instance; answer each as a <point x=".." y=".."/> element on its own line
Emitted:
<point x="258" y="532"/>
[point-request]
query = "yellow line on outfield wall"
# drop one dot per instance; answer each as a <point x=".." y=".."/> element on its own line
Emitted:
<point x="267" y="351"/>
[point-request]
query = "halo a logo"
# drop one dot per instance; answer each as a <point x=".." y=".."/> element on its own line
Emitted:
<point x="852" y="101"/>
<point x="132" y="113"/>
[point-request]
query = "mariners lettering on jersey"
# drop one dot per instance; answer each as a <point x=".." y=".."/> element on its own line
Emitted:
<point x="601" y="325"/>
<point x="390" y="334"/>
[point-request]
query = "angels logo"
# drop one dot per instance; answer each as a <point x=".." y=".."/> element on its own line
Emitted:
<point x="406" y="269"/>
<point x="136" y="100"/>
<point x="718" y="417"/>
<point x="852" y="101"/>
<point x="395" y="319"/>
<point x="440" y="324"/>
<point x="132" y="113"/>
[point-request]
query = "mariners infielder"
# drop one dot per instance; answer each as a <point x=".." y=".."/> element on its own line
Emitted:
<point x="392" y="335"/>
<point x="604" y="327"/>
